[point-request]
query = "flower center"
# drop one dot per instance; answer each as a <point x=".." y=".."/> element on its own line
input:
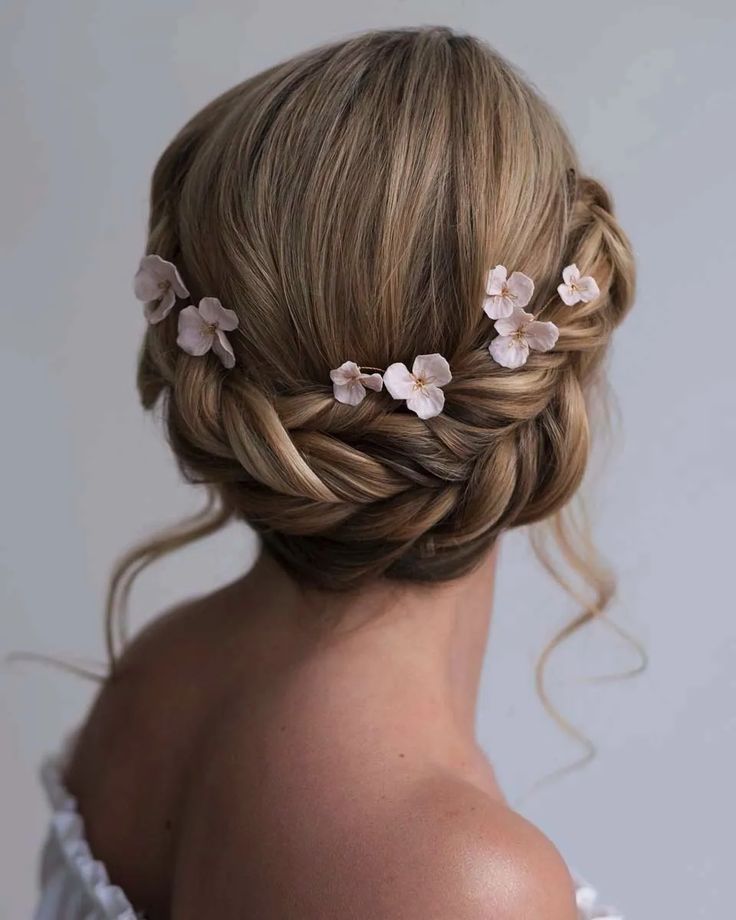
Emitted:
<point x="210" y="329"/>
<point x="164" y="286"/>
<point x="419" y="383"/>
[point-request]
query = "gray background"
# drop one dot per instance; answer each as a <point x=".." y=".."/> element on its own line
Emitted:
<point x="90" y="93"/>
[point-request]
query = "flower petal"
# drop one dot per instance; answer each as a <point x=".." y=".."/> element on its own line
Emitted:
<point x="145" y="284"/>
<point x="176" y="282"/>
<point x="513" y="322"/>
<point x="155" y="310"/>
<point x="567" y="294"/>
<point x="372" y="381"/>
<point x="521" y="287"/>
<point x="195" y="336"/>
<point x="350" y="393"/>
<point x="212" y="311"/>
<point x="431" y="369"/>
<point x="588" y="288"/>
<point x="495" y="280"/>
<point x="498" y="307"/>
<point x="427" y="401"/>
<point x="346" y="373"/>
<point x="541" y="336"/>
<point x="509" y="350"/>
<point x="223" y="349"/>
<point x="571" y="274"/>
<point x="398" y="381"/>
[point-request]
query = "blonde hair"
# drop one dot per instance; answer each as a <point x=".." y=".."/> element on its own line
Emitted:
<point x="347" y="204"/>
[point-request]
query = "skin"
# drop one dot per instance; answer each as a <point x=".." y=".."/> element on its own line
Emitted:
<point x="245" y="765"/>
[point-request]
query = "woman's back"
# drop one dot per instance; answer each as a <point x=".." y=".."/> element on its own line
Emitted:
<point x="232" y="769"/>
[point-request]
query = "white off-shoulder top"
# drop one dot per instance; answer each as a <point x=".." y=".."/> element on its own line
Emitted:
<point x="76" y="886"/>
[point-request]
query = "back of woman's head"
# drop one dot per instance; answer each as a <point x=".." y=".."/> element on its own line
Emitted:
<point x="347" y="205"/>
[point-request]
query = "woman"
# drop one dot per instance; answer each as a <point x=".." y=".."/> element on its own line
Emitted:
<point x="378" y="293"/>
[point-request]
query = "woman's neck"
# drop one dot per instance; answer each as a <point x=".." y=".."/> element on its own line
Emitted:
<point x="424" y="642"/>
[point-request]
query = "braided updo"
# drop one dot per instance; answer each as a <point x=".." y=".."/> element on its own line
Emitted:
<point x="347" y="205"/>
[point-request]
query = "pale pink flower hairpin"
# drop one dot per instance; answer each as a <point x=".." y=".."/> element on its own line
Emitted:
<point x="158" y="283"/>
<point x="519" y="333"/>
<point x="349" y="383"/>
<point x="422" y="386"/>
<point x="503" y="294"/>
<point x="204" y="327"/>
<point x="576" y="287"/>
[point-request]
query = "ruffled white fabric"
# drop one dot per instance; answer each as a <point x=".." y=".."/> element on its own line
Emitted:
<point x="589" y="907"/>
<point x="76" y="886"/>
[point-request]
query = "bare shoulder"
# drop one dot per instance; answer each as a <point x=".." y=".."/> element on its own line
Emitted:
<point x="439" y="849"/>
<point x="476" y="859"/>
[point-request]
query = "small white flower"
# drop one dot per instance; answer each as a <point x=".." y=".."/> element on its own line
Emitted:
<point x="349" y="383"/>
<point x="504" y="295"/>
<point x="517" y="334"/>
<point x="575" y="288"/>
<point x="421" y="388"/>
<point x="204" y="327"/>
<point x="158" y="283"/>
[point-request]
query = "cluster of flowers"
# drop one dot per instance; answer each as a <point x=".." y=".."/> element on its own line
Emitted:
<point x="518" y="333"/>
<point x="158" y="284"/>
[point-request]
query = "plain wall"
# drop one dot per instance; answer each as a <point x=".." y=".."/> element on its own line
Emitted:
<point x="90" y="94"/>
